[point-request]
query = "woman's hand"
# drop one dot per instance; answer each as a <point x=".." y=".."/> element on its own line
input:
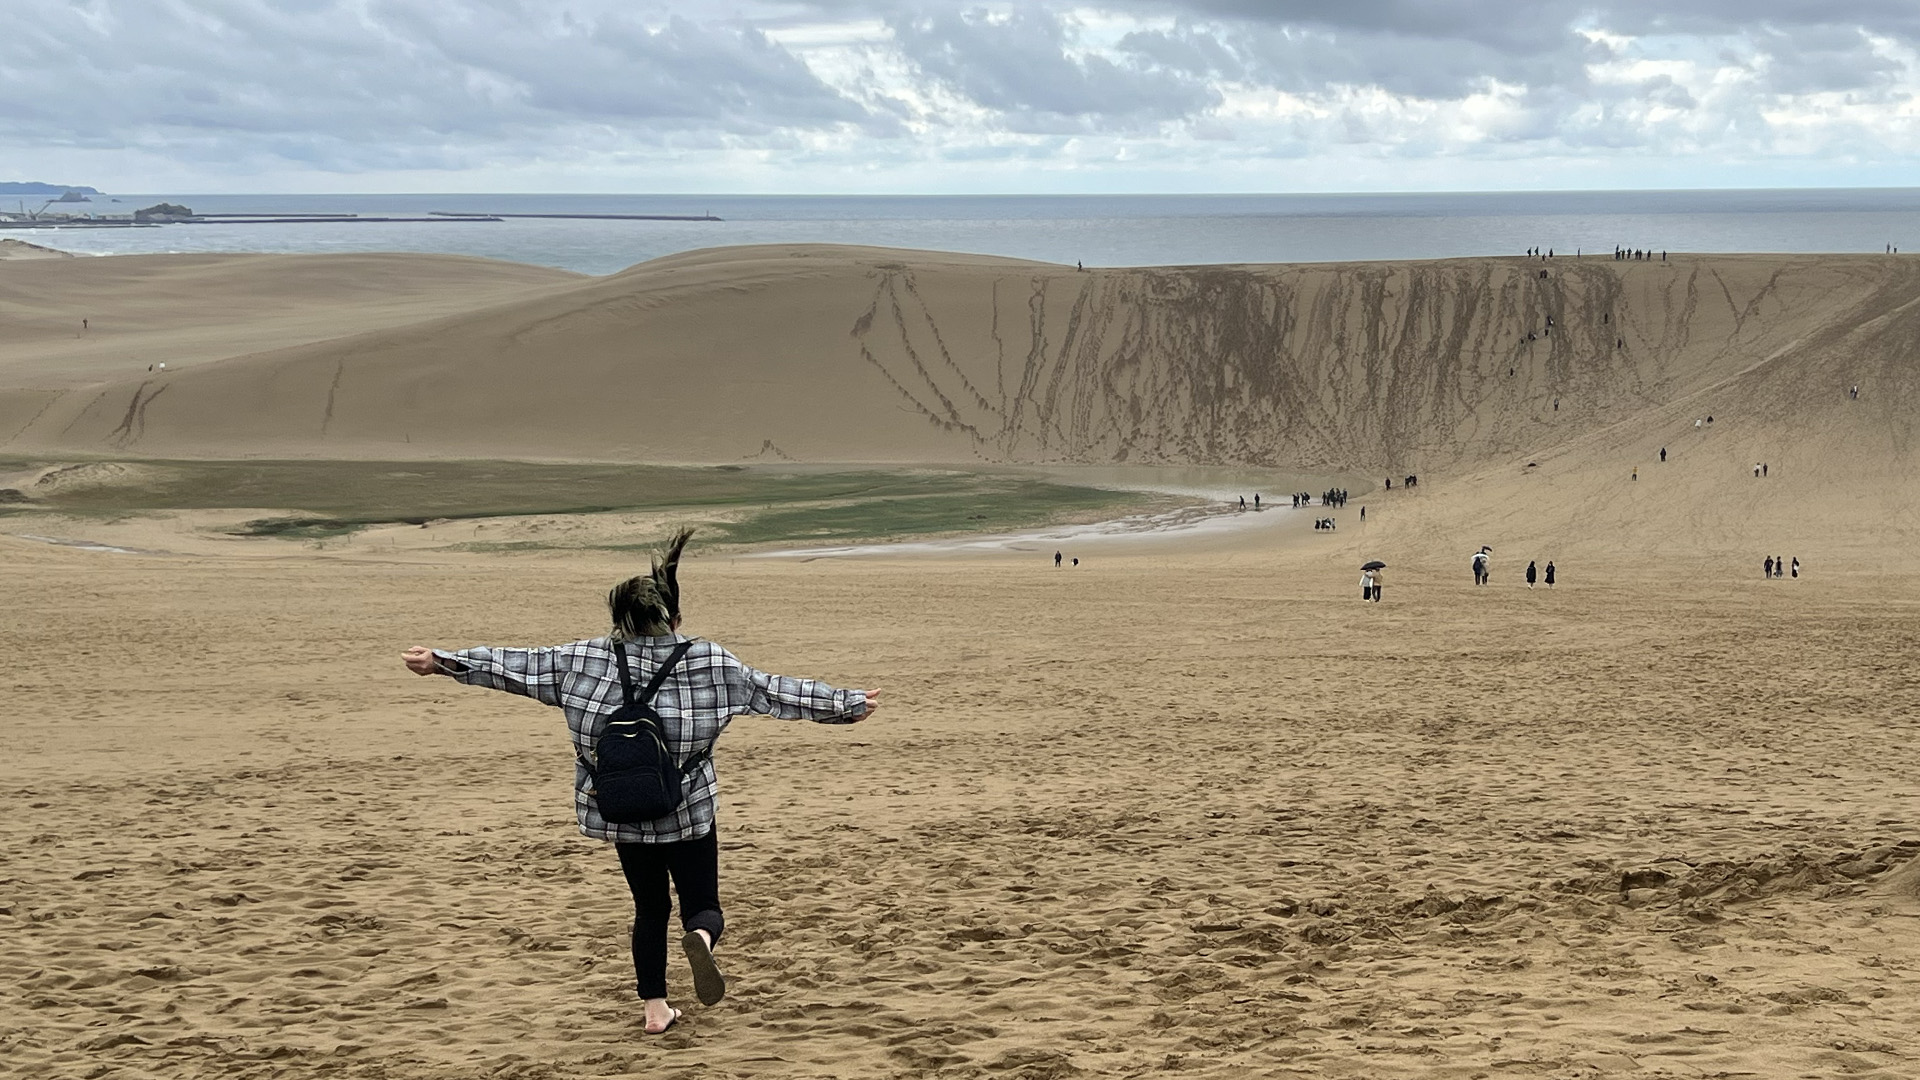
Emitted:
<point x="873" y="702"/>
<point x="420" y="660"/>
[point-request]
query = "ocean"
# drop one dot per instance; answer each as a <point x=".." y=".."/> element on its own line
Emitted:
<point x="1099" y="230"/>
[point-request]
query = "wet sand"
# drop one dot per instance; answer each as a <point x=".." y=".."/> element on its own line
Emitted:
<point x="1160" y="813"/>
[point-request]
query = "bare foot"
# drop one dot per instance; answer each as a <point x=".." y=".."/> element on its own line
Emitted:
<point x="660" y="1016"/>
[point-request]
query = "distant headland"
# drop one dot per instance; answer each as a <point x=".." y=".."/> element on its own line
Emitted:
<point x="34" y="187"/>
<point x="166" y="213"/>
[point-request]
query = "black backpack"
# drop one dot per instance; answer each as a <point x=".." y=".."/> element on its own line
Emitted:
<point x="635" y="777"/>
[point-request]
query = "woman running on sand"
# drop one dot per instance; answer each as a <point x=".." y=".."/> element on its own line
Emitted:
<point x="705" y="690"/>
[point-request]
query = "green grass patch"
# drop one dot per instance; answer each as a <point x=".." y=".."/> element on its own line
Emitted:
<point x="382" y="491"/>
<point x="1015" y="505"/>
<point x="753" y="504"/>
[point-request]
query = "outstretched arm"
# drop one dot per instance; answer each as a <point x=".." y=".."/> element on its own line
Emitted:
<point x="806" y="699"/>
<point x="535" y="673"/>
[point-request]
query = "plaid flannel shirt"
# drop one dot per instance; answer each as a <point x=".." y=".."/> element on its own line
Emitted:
<point x="709" y="688"/>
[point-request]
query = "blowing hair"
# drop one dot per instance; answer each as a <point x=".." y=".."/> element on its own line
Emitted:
<point x="649" y="605"/>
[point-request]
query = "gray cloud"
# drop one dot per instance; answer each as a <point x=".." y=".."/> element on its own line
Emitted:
<point x="1300" y="60"/>
<point x="1021" y="66"/>
<point x="354" y="84"/>
<point x="1536" y="23"/>
<point x="441" y="85"/>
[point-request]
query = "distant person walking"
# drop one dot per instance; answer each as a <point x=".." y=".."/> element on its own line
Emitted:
<point x="1481" y="560"/>
<point x="1379" y="584"/>
<point x="1779" y="566"/>
<point x="1366" y="584"/>
<point x="1663" y="455"/>
<point x="1767" y="567"/>
<point x="1533" y="574"/>
<point x="1796" y="567"/>
<point x="1056" y="560"/>
<point x="1549" y="573"/>
<point x="696" y="688"/>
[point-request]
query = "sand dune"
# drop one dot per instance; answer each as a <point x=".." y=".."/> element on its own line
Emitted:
<point x="1448" y="369"/>
<point x="187" y="310"/>
<point x="1184" y="809"/>
<point x="858" y="354"/>
<point x="20" y="249"/>
<point x="1161" y="814"/>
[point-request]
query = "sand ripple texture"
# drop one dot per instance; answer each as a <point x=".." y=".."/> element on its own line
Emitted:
<point x="1147" y="818"/>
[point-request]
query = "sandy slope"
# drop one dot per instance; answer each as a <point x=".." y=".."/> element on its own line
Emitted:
<point x="194" y="309"/>
<point x="20" y="249"/>
<point x="1185" y="810"/>
<point x="858" y="354"/>
<point x="1210" y="816"/>
<point x="1447" y="369"/>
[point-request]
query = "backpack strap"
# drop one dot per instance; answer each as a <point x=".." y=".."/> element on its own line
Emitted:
<point x="659" y="678"/>
<point x="626" y="680"/>
<point x="659" y="675"/>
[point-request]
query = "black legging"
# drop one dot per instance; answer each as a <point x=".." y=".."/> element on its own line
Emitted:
<point x="695" y="867"/>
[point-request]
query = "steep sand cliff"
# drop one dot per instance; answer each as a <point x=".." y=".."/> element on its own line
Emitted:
<point x="860" y="354"/>
<point x="1449" y="369"/>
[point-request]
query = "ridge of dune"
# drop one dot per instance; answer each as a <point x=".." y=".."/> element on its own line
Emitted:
<point x="20" y="249"/>
<point x="185" y="310"/>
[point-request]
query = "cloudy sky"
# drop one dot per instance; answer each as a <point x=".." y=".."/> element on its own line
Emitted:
<point x="936" y="96"/>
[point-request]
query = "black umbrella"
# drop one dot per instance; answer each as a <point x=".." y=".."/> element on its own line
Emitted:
<point x="1374" y="565"/>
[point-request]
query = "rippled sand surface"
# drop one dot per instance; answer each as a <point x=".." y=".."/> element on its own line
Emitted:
<point x="1199" y="814"/>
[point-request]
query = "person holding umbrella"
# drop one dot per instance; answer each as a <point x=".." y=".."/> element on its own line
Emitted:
<point x="1481" y="562"/>
<point x="1370" y="580"/>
